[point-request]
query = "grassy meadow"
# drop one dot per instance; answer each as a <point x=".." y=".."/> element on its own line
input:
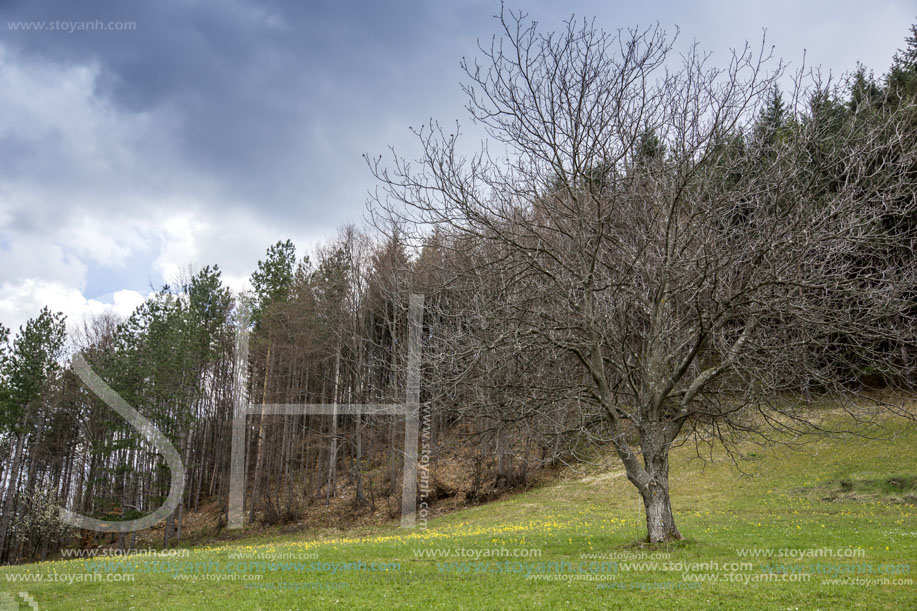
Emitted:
<point x="834" y="527"/>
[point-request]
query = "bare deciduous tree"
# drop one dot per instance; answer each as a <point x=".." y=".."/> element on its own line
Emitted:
<point x="678" y="268"/>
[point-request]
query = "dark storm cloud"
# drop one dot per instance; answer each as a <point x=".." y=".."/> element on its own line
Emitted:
<point x="272" y="100"/>
<point x="275" y="101"/>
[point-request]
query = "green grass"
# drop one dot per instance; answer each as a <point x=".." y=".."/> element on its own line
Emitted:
<point x="841" y="494"/>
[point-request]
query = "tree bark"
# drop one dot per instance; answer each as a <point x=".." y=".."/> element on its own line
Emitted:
<point x="660" y="523"/>
<point x="7" y="513"/>
<point x="262" y="426"/>
<point x="332" y="458"/>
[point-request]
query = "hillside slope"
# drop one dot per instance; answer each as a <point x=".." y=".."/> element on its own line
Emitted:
<point x="832" y="528"/>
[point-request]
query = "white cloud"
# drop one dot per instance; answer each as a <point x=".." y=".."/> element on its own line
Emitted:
<point x="24" y="300"/>
<point x="234" y="239"/>
<point x="25" y="256"/>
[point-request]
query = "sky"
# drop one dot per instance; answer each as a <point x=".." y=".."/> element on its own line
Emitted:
<point x="189" y="132"/>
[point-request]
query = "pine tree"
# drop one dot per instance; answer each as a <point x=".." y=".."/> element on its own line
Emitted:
<point x="33" y="360"/>
<point x="771" y="120"/>
<point x="902" y="78"/>
<point x="272" y="282"/>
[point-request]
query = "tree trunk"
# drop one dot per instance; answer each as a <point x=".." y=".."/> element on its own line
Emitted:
<point x="660" y="524"/>
<point x="359" y="499"/>
<point x="286" y="483"/>
<point x="7" y="514"/>
<point x="167" y="531"/>
<point x="652" y="478"/>
<point x="332" y="459"/>
<point x="394" y="466"/>
<point x="262" y="426"/>
<point x="180" y="511"/>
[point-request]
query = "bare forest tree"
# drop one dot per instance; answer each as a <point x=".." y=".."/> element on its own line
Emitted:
<point x="664" y="246"/>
